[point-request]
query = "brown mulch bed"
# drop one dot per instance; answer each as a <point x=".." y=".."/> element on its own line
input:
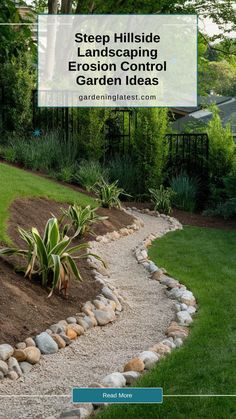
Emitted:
<point x="198" y="220"/>
<point x="186" y="218"/>
<point x="25" y="309"/>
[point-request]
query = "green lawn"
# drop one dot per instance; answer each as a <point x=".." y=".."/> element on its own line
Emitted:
<point x="16" y="183"/>
<point x="204" y="260"/>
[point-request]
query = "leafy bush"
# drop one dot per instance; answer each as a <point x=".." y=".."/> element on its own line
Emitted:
<point x="82" y="218"/>
<point x="66" y="173"/>
<point x="9" y="154"/>
<point x="226" y="202"/>
<point x="225" y="210"/>
<point x="49" y="256"/>
<point x="150" y="147"/>
<point x="185" y="189"/>
<point x="125" y="170"/>
<point x="221" y="149"/>
<point x="162" y="199"/>
<point x="89" y="173"/>
<point x="108" y="193"/>
<point x="17" y="75"/>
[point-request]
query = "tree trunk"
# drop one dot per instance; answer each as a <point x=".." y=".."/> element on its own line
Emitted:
<point x="66" y="6"/>
<point x="52" y="7"/>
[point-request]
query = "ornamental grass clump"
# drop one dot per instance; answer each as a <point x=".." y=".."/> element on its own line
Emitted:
<point x="108" y="194"/>
<point x="49" y="257"/>
<point x="185" y="189"/>
<point x="82" y="218"/>
<point x="89" y="173"/>
<point x="162" y="199"/>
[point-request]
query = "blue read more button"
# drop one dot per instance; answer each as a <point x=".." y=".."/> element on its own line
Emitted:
<point x="117" y="395"/>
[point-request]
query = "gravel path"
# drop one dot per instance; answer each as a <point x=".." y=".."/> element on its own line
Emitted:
<point x="101" y="350"/>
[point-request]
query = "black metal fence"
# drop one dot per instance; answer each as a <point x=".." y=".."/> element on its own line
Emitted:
<point x="189" y="153"/>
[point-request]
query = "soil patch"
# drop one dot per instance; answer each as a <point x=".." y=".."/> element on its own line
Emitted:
<point x="25" y="308"/>
<point x="198" y="220"/>
<point x="187" y="218"/>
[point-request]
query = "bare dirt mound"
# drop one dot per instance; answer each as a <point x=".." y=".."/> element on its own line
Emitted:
<point x="24" y="307"/>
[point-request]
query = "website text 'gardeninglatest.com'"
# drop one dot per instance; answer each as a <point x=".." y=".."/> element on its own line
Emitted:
<point x="115" y="98"/>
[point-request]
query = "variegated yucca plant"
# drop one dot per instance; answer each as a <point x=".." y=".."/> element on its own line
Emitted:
<point x="50" y="256"/>
<point x="82" y="218"/>
<point x="108" y="194"/>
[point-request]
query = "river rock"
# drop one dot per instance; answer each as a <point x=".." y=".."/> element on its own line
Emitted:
<point x="33" y="355"/>
<point x="67" y="340"/>
<point x="71" y="320"/>
<point x="169" y="343"/>
<point x="14" y="366"/>
<point x="175" y="293"/>
<point x="169" y="282"/>
<point x="109" y="294"/>
<point x="161" y="349"/>
<point x="157" y="275"/>
<point x="77" y="328"/>
<point x="30" y="342"/>
<point x="59" y="340"/>
<point x="63" y="323"/>
<point x="104" y="317"/>
<point x="178" y="342"/>
<point x="46" y="344"/>
<point x="116" y="379"/>
<point x="21" y="345"/>
<point x="149" y="358"/>
<point x="184" y="318"/>
<point x="71" y="333"/>
<point x="26" y="367"/>
<point x="152" y="267"/>
<point x="131" y="376"/>
<point x="191" y="310"/>
<point x="19" y="354"/>
<point x="3" y="367"/>
<point x="188" y="298"/>
<point x="1" y="375"/>
<point x="12" y="375"/>
<point x="89" y="321"/>
<point x="82" y="323"/>
<point x="136" y="364"/>
<point x="57" y="328"/>
<point x="6" y="351"/>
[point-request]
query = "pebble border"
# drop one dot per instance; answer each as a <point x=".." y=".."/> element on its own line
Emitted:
<point x="14" y="362"/>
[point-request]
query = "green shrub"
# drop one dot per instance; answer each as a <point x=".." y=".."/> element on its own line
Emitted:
<point x="49" y="256"/>
<point x="17" y="75"/>
<point x="221" y="149"/>
<point x="9" y="154"/>
<point x="185" y="192"/>
<point x="225" y="205"/>
<point x="150" y="147"/>
<point x="66" y="173"/>
<point x="162" y="199"/>
<point x="124" y="169"/>
<point x="89" y="173"/>
<point x="108" y="193"/>
<point x="82" y="218"/>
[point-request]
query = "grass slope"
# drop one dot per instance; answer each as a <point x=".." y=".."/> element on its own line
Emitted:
<point x="16" y="183"/>
<point x="204" y="260"/>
